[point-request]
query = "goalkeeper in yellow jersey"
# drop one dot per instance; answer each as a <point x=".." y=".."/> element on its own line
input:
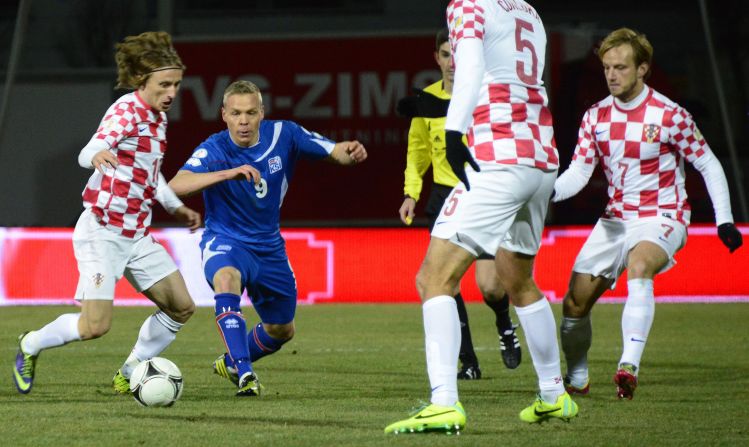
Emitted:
<point x="426" y="146"/>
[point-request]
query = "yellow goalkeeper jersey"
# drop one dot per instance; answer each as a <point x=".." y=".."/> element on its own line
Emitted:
<point x="426" y="145"/>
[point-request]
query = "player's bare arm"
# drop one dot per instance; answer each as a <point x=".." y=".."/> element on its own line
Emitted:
<point x="189" y="217"/>
<point x="348" y="153"/>
<point x="187" y="183"/>
<point x="104" y="160"/>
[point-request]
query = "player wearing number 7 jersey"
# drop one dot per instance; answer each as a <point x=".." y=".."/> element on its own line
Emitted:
<point x="499" y="206"/>
<point x="641" y="138"/>
<point x="244" y="173"/>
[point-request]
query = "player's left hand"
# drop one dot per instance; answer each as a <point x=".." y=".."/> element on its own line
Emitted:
<point x="189" y="217"/>
<point x="355" y="150"/>
<point x="730" y="236"/>
<point x="458" y="155"/>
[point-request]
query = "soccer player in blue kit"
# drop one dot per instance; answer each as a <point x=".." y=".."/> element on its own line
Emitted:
<point x="244" y="173"/>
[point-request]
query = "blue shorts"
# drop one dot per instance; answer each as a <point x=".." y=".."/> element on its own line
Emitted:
<point x="265" y="269"/>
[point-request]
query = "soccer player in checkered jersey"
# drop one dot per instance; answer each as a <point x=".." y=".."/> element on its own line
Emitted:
<point x="426" y="146"/>
<point x="641" y="138"/>
<point x="244" y="173"/>
<point x="500" y="204"/>
<point x="112" y="236"/>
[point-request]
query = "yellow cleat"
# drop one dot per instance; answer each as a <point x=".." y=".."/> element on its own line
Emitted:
<point x="432" y="418"/>
<point x="120" y="383"/>
<point x="564" y="408"/>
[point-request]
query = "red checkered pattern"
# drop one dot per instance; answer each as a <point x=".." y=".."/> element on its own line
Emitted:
<point x="122" y="198"/>
<point x="511" y="121"/>
<point x="642" y="152"/>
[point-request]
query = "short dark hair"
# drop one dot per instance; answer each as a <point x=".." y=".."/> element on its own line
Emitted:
<point x="443" y="36"/>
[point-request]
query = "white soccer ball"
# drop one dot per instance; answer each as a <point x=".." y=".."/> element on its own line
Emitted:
<point x="156" y="383"/>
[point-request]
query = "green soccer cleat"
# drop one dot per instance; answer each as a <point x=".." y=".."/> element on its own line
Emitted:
<point x="221" y="368"/>
<point x="249" y="385"/>
<point x="432" y="418"/>
<point x="564" y="408"/>
<point x="23" y="369"/>
<point x="120" y="383"/>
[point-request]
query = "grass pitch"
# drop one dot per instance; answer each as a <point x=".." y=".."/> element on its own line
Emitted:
<point x="353" y="369"/>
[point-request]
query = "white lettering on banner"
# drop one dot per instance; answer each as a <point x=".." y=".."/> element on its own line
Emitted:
<point x="318" y="84"/>
<point x="384" y="98"/>
<point x="377" y="94"/>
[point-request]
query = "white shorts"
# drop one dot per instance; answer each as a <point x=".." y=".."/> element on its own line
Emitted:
<point x="103" y="257"/>
<point x="605" y="251"/>
<point x="505" y="207"/>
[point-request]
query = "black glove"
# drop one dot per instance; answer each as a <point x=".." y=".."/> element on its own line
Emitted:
<point x="730" y="236"/>
<point x="422" y="104"/>
<point x="457" y="155"/>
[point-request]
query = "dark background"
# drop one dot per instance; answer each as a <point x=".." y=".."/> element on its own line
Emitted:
<point x="67" y="49"/>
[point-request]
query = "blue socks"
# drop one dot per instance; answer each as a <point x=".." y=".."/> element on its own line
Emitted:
<point x="233" y="329"/>
<point x="262" y="344"/>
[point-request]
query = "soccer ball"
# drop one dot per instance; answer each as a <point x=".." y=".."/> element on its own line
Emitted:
<point x="156" y="382"/>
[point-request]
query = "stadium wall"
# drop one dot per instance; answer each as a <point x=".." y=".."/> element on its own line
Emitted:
<point x="362" y="265"/>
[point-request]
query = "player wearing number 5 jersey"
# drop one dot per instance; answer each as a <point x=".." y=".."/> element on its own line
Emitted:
<point x="641" y="139"/>
<point x="111" y="238"/>
<point x="244" y="173"/>
<point x="499" y="206"/>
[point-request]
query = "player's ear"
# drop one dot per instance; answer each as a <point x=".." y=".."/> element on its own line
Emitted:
<point x="643" y="70"/>
<point x="223" y="114"/>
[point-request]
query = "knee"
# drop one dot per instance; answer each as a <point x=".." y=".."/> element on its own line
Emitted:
<point x="281" y="331"/>
<point x="639" y="269"/>
<point x="421" y="283"/>
<point x="227" y="280"/>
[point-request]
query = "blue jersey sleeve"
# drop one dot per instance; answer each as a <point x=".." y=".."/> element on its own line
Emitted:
<point x="311" y="144"/>
<point x="201" y="159"/>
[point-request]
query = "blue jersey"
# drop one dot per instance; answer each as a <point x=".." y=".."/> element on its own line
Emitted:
<point x="239" y="209"/>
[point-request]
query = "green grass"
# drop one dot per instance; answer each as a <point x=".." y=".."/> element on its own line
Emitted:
<point x="352" y="369"/>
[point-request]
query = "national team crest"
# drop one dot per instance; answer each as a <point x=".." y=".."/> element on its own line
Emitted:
<point x="274" y="164"/>
<point x="651" y="132"/>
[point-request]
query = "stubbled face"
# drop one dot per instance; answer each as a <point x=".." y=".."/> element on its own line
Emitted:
<point x="624" y="79"/>
<point x="161" y="89"/>
<point x="444" y="59"/>
<point x="242" y="114"/>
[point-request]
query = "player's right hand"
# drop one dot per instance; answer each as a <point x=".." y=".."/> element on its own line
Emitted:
<point x="245" y="172"/>
<point x="458" y="155"/>
<point x="406" y="211"/>
<point x="103" y="160"/>
<point x="730" y="236"/>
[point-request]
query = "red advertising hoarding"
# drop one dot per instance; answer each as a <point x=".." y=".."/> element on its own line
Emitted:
<point x="333" y="265"/>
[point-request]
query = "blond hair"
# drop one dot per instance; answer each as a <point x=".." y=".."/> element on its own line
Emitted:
<point x="242" y="88"/>
<point x="642" y="50"/>
<point x="139" y="56"/>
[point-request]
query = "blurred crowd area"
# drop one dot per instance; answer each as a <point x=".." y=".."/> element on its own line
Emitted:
<point x="66" y="61"/>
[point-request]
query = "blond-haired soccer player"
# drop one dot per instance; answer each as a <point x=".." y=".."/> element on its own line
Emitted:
<point x="498" y="207"/>
<point x="641" y="139"/>
<point x="426" y="146"/>
<point x="244" y="173"/>
<point x="112" y="236"/>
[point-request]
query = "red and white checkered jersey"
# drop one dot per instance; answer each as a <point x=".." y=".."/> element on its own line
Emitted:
<point x="511" y="123"/>
<point x="642" y="152"/>
<point x="122" y="198"/>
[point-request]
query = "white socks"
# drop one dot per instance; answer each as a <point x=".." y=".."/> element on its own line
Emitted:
<point x="636" y="319"/>
<point x="59" y="332"/>
<point x="442" y="340"/>
<point x="539" y="328"/>
<point x="156" y="333"/>
<point x="576" y="335"/>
